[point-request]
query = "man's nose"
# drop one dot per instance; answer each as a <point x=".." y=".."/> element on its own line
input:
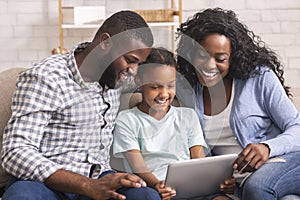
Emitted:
<point x="132" y="70"/>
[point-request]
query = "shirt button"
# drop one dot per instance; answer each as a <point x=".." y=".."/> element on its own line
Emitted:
<point x="235" y="138"/>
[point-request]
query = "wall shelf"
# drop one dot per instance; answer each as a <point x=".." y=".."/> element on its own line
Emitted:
<point x="170" y="24"/>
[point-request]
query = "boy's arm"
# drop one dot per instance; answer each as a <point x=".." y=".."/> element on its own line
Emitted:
<point x="139" y="167"/>
<point x="197" y="151"/>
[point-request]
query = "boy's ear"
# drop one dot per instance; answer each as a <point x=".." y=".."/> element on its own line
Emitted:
<point x="105" y="41"/>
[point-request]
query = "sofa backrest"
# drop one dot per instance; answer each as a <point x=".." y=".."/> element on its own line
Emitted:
<point x="7" y="88"/>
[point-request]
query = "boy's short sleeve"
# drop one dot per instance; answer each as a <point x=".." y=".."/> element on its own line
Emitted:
<point x="124" y="135"/>
<point x="195" y="133"/>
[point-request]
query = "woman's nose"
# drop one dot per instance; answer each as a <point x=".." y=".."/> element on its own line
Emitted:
<point x="211" y="63"/>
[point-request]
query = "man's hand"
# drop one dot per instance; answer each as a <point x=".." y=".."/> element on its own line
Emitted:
<point x="105" y="187"/>
<point x="252" y="158"/>
<point x="165" y="192"/>
<point x="98" y="189"/>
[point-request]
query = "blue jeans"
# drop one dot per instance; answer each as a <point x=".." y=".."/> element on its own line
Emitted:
<point x="274" y="180"/>
<point x="29" y="190"/>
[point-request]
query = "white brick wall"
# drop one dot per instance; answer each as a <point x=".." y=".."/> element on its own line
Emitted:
<point x="276" y="21"/>
<point x="29" y="28"/>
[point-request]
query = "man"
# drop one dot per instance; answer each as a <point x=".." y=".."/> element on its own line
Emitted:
<point x="57" y="141"/>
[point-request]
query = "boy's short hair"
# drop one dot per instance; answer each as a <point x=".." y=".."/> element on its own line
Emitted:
<point x="123" y="21"/>
<point x="158" y="56"/>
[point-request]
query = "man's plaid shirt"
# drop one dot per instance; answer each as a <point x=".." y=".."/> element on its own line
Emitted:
<point x="59" y="121"/>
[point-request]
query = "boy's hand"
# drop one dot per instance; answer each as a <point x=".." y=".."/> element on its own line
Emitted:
<point x="228" y="186"/>
<point x="165" y="192"/>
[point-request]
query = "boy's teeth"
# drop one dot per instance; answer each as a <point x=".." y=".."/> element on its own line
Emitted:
<point x="161" y="101"/>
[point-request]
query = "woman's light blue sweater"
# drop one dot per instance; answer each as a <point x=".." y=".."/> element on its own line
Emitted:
<point x="261" y="111"/>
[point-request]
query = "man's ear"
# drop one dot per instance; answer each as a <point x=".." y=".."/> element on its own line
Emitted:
<point x="138" y="81"/>
<point x="105" y="41"/>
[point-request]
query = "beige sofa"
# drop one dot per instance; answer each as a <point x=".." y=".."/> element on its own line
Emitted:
<point x="7" y="87"/>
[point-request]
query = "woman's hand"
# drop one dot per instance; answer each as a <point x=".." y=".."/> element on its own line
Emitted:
<point x="252" y="158"/>
<point x="165" y="192"/>
<point x="228" y="186"/>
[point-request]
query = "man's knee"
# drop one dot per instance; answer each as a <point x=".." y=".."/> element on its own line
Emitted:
<point x="28" y="190"/>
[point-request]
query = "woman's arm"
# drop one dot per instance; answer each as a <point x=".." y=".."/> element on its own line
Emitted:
<point x="197" y="151"/>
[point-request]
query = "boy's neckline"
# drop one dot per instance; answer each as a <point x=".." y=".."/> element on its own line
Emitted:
<point x="161" y="117"/>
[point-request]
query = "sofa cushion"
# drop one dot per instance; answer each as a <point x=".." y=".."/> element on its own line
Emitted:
<point x="7" y="87"/>
<point x="296" y="97"/>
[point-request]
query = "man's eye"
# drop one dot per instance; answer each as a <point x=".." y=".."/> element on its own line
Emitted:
<point x="129" y="61"/>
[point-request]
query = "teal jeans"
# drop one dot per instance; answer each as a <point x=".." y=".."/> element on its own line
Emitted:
<point x="275" y="180"/>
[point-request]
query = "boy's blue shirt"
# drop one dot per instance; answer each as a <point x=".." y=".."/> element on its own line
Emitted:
<point x="261" y="111"/>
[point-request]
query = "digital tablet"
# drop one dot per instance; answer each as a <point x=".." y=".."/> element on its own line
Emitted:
<point x="199" y="177"/>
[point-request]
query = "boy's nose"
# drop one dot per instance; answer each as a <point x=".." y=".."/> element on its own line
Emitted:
<point x="164" y="92"/>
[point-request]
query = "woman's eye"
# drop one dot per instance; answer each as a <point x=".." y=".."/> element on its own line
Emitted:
<point x="220" y="59"/>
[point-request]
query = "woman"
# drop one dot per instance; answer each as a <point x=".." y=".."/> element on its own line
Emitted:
<point x="242" y="101"/>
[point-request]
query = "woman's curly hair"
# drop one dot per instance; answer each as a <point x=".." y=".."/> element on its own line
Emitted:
<point x="248" y="51"/>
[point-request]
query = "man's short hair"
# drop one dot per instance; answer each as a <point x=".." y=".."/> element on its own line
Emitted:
<point x="123" y="21"/>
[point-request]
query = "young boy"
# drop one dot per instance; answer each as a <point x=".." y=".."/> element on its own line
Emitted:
<point x="154" y="133"/>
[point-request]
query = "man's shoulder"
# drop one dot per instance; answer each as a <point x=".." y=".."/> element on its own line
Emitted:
<point x="51" y="67"/>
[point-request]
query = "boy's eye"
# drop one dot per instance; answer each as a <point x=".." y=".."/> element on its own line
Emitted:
<point x="171" y="86"/>
<point x="154" y="87"/>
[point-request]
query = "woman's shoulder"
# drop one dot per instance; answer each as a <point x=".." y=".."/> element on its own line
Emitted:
<point x="261" y="71"/>
<point x="259" y="75"/>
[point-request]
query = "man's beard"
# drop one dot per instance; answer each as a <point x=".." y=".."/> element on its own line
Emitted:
<point x="108" y="78"/>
